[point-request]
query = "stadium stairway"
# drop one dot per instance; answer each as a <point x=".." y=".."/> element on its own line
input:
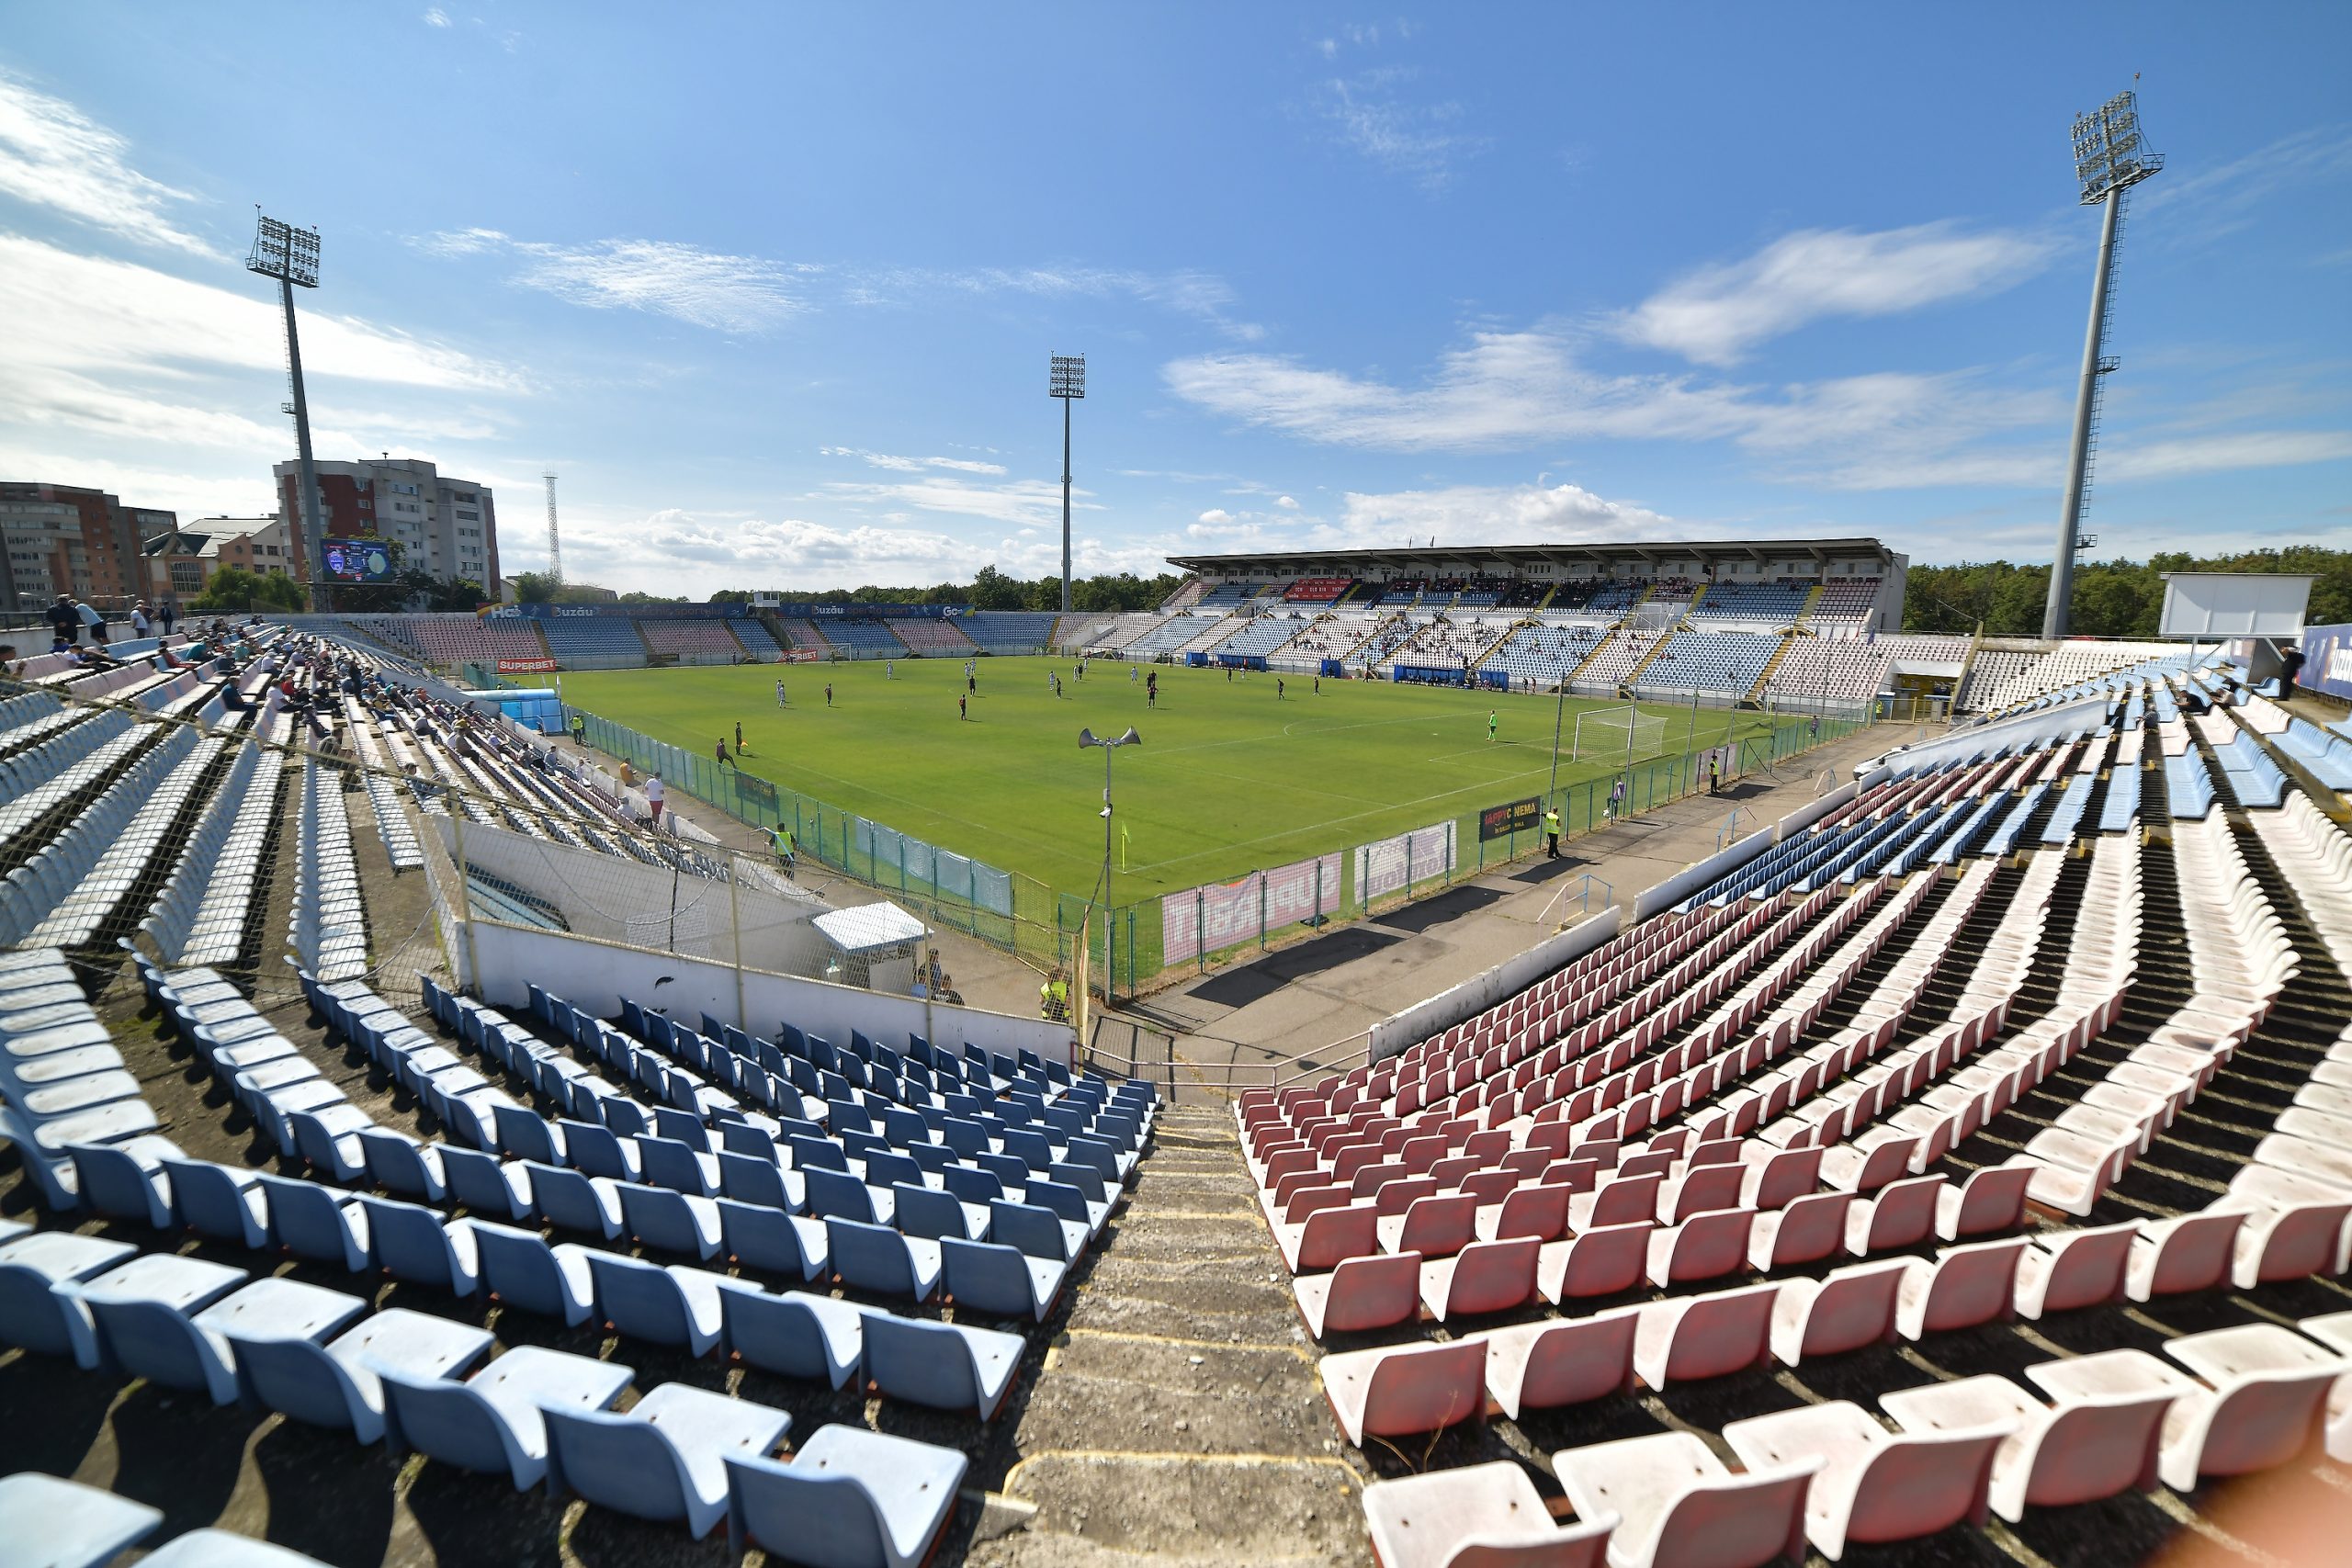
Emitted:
<point x="1764" y="676"/>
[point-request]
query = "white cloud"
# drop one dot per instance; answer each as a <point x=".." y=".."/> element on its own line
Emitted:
<point x="1370" y="116"/>
<point x="687" y="551"/>
<point x="911" y="464"/>
<point x="52" y="155"/>
<point x="1499" y="515"/>
<point x="704" y="288"/>
<point x="1499" y="390"/>
<point x="437" y="18"/>
<point x="88" y="314"/>
<point x="1286" y="503"/>
<point x="2222" y="199"/>
<point x="1023" y="502"/>
<point x="167" y="391"/>
<point x="2125" y="462"/>
<point x="1488" y="514"/>
<point x="1716" y="314"/>
<point x="1199" y="295"/>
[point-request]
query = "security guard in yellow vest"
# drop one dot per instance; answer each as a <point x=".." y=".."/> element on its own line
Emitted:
<point x="1052" y="998"/>
<point x="1552" y="832"/>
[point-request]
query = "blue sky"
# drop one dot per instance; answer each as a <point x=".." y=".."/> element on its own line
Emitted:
<point x="773" y="287"/>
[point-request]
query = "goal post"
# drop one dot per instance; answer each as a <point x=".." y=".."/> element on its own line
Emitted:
<point x="1615" y="734"/>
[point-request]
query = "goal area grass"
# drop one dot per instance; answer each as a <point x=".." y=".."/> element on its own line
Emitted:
<point x="1231" y="775"/>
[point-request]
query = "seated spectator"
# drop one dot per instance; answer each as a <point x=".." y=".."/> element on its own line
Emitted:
<point x="11" y="667"/>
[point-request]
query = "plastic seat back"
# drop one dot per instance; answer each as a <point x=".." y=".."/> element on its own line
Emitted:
<point x="923" y="1362"/>
<point x="521" y="1268"/>
<point x="617" y="1461"/>
<point x="640" y="1299"/>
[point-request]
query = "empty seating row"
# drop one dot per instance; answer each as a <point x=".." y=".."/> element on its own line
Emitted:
<point x="394" y="1375"/>
<point x="328" y="927"/>
<point x="594" y="642"/>
<point x="693" y="640"/>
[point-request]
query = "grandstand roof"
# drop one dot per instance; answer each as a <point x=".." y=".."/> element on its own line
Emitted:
<point x="1593" y="558"/>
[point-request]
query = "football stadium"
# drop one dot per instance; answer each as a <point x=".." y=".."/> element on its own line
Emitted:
<point x="1599" y="1044"/>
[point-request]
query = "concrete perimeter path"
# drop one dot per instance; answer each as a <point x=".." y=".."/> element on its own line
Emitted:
<point x="1319" y="996"/>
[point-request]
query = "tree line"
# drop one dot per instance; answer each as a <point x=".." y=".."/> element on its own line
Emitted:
<point x="2120" y="598"/>
<point x="992" y="589"/>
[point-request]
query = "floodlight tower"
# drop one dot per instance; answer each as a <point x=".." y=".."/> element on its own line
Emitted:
<point x="1068" y="384"/>
<point x="2110" y="158"/>
<point x="555" y="547"/>
<point x="291" y="257"/>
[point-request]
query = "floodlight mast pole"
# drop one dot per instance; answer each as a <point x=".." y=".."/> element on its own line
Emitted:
<point x="2108" y="160"/>
<point x="291" y="257"/>
<point x="1087" y="737"/>
<point x="1068" y="384"/>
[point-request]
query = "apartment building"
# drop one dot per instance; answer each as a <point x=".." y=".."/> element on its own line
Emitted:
<point x="71" y="539"/>
<point x="446" y="526"/>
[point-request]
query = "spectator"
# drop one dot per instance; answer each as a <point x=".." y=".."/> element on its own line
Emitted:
<point x="92" y="619"/>
<point x="139" y="624"/>
<point x="171" y="613"/>
<point x="654" y="795"/>
<point x="11" y="666"/>
<point x="63" y="621"/>
<point x="2290" y="665"/>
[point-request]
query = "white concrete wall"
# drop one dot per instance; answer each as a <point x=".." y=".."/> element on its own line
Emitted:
<point x="1698" y="873"/>
<point x="1478" y="993"/>
<point x="615" y="899"/>
<point x="594" y="976"/>
<point x="1805" y="815"/>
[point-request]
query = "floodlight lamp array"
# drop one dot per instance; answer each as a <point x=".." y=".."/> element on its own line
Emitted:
<point x="1069" y="376"/>
<point x="281" y="250"/>
<point x="2110" y="153"/>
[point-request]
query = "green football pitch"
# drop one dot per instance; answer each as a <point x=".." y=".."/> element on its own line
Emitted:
<point x="1231" y="775"/>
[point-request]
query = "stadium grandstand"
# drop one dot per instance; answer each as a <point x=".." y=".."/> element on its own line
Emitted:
<point x="1996" y="1096"/>
<point x="2029" y="1036"/>
<point x="1933" y="1097"/>
<point x="935" y="639"/>
<point x="184" y="820"/>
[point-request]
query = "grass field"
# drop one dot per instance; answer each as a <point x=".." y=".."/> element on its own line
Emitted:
<point x="1229" y="777"/>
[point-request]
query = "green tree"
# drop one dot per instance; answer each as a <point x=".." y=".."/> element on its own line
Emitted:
<point x="233" y="588"/>
<point x="536" y="587"/>
<point x="992" y="589"/>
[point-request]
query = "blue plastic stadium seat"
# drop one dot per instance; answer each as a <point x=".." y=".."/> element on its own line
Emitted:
<point x="492" y="1422"/>
<point x="946" y="1366"/>
<point x="795" y="1334"/>
<point x="875" y="1258"/>
<point x="336" y="1384"/>
<point x="35" y="1316"/>
<point x="850" y="1498"/>
<point x="664" y="1459"/>
<point x="62" y="1524"/>
<point x="523" y="1272"/>
<point x="676" y="1305"/>
<point x="774" y="1241"/>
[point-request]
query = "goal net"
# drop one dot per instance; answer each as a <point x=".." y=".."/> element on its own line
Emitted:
<point x="1613" y="734"/>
